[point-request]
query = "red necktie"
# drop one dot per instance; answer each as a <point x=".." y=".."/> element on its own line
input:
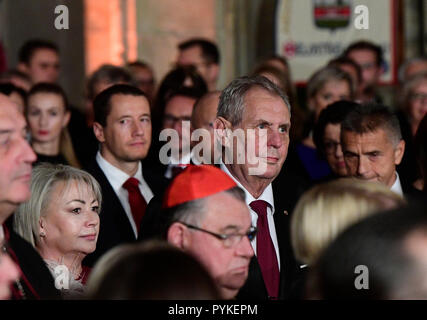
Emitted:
<point x="136" y="200"/>
<point x="266" y="254"/>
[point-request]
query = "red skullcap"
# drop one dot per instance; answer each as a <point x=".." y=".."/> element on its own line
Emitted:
<point x="195" y="182"/>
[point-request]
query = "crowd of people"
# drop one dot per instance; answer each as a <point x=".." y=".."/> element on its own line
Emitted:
<point x="184" y="190"/>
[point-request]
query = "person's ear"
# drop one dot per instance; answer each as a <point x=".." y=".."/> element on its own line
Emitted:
<point x="66" y="119"/>
<point x="177" y="235"/>
<point x="42" y="228"/>
<point x="23" y="67"/>
<point x="222" y="128"/>
<point x="213" y="72"/>
<point x="381" y="70"/>
<point x="98" y="130"/>
<point x="399" y="151"/>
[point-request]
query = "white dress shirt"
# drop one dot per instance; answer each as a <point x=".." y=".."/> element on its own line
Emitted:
<point x="186" y="159"/>
<point x="397" y="187"/>
<point x="267" y="196"/>
<point x="117" y="178"/>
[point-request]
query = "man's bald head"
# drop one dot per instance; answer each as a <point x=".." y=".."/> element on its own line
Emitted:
<point x="16" y="158"/>
<point x="204" y="111"/>
<point x="6" y="102"/>
<point x="203" y="117"/>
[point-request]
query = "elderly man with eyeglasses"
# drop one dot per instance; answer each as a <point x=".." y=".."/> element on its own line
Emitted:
<point x="206" y="215"/>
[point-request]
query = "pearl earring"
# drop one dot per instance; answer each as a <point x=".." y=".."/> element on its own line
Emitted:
<point x="42" y="234"/>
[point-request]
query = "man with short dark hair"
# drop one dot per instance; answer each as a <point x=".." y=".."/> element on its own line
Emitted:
<point x="369" y="57"/>
<point x="80" y="125"/>
<point x="123" y="128"/>
<point x="373" y="146"/>
<point x="16" y="158"/>
<point x="204" y="55"/>
<point x="206" y="216"/>
<point x="144" y="77"/>
<point x="177" y="116"/>
<point x="260" y="110"/>
<point x="40" y="60"/>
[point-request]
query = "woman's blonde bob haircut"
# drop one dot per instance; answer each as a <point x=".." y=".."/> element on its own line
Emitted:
<point x="327" y="209"/>
<point x="44" y="178"/>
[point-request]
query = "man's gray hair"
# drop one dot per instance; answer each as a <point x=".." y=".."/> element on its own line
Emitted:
<point x="402" y="70"/>
<point x="232" y="99"/>
<point x="323" y="75"/>
<point x="365" y="118"/>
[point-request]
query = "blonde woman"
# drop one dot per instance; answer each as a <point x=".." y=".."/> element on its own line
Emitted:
<point x="413" y="103"/>
<point x="61" y="221"/>
<point x="326" y="210"/>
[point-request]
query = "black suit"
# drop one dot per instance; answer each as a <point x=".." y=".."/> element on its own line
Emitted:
<point x="410" y="193"/>
<point x="254" y="288"/>
<point x="115" y="227"/>
<point x="37" y="281"/>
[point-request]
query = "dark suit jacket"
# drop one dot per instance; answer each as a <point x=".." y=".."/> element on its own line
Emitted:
<point x="37" y="281"/>
<point x="284" y="200"/>
<point x="410" y="193"/>
<point x="115" y="227"/>
<point x="154" y="222"/>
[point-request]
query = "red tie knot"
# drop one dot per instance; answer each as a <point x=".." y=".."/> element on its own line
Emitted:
<point x="131" y="184"/>
<point x="259" y="206"/>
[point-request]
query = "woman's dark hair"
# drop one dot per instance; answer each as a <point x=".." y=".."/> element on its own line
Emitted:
<point x="176" y="80"/>
<point x="335" y="113"/>
<point x="45" y="87"/>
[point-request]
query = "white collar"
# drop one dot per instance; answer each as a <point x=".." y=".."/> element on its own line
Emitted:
<point x="267" y="194"/>
<point x="185" y="159"/>
<point x="397" y="187"/>
<point x="115" y="176"/>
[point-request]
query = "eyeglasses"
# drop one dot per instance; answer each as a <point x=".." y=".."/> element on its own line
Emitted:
<point x="331" y="146"/>
<point x="171" y="120"/>
<point x="229" y="240"/>
<point x="367" y="65"/>
<point x="419" y="97"/>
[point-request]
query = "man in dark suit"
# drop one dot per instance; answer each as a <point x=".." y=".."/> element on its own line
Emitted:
<point x="202" y="117"/>
<point x="176" y="153"/>
<point x="373" y="146"/>
<point x="123" y="128"/>
<point x="257" y="112"/>
<point x="16" y="158"/>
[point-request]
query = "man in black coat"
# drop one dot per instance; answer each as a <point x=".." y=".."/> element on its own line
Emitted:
<point x="373" y="147"/>
<point x="16" y="158"/>
<point x="257" y="112"/>
<point x="123" y="128"/>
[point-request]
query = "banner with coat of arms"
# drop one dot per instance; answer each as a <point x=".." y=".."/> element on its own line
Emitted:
<point x="309" y="33"/>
